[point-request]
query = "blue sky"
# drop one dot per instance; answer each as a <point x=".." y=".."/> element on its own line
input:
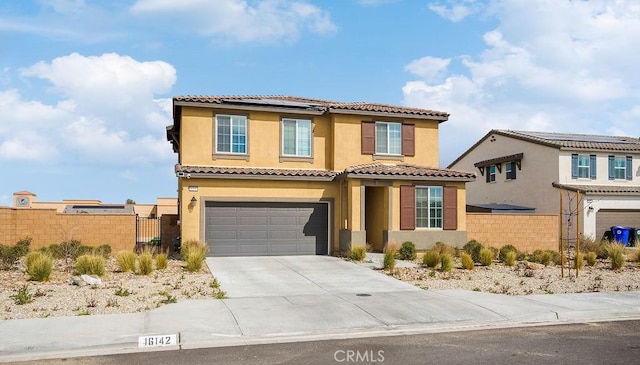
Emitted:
<point x="86" y="86"/>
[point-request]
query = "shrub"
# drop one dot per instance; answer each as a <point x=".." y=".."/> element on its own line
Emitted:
<point x="9" y="255"/>
<point x="588" y="244"/>
<point x="467" y="261"/>
<point x="23" y="296"/>
<point x="615" y="253"/>
<point x="103" y="250"/>
<point x="443" y="248"/>
<point x="193" y="253"/>
<point x="407" y="251"/>
<point x="486" y="257"/>
<point x="38" y="266"/>
<point x="389" y="258"/>
<point x="545" y="257"/>
<point x="473" y="248"/>
<point x="502" y="255"/>
<point x="510" y="258"/>
<point x="22" y="246"/>
<point x="69" y="250"/>
<point x="591" y="258"/>
<point x="161" y="261"/>
<point x="357" y="253"/>
<point x="90" y="265"/>
<point x="126" y="261"/>
<point x="578" y="261"/>
<point x="145" y="262"/>
<point x="446" y="262"/>
<point x="431" y="258"/>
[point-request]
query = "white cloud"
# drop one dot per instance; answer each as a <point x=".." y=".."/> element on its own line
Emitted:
<point x="561" y="66"/>
<point x="108" y="113"/>
<point x="237" y="20"/>
<point x="455" y="10"/>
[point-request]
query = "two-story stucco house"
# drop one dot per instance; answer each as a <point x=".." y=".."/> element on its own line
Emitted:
<point x="530" y="169"/>
<point x="278" y="175"/>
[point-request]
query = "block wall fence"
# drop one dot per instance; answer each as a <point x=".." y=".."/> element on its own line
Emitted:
<point x="46" y="226"/>
<point x="527" y="232"/>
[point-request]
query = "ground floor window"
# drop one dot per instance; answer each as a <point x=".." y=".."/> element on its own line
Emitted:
<point x="429" y="206"/>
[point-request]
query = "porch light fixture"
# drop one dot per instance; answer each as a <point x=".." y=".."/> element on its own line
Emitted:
<point x="194" y="200"/>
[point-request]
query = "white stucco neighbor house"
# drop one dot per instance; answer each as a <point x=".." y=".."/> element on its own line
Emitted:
<point x="533" y="169"/>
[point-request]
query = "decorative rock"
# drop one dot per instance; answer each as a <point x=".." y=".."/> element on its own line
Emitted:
<point x="76" y="280"/>
<point x="91" y="280"/>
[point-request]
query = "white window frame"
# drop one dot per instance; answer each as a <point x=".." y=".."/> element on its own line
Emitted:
<point x="617" y="168"/>
<point x="296" y="153"/>
<point x="388" y="138"/>
<point x="231" y="134"/>
<point x="492" y="173"/>
<point x="581" y="167"/>
<point x="439" y="221"/>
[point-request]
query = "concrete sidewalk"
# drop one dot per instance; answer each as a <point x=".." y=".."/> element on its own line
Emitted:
<point x="327" y="313"/>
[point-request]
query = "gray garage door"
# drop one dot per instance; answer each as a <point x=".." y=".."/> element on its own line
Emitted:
<point x="266" y="229"/>
<point x="605" y="218"/>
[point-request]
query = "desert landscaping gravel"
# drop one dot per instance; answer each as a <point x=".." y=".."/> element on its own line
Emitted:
<point x="130" y="293"/>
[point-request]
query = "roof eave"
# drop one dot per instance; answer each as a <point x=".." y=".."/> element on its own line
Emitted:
<point x="408" y="177"/>
<point x="228" y="106"/>
<point x="439" y="118"/>
<point x="205" y="175"/>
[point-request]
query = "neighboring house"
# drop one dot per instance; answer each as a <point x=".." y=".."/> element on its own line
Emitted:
<point x="530" y="169"/>
<point x="279" y="175"/>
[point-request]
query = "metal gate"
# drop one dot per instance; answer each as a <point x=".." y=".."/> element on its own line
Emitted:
<point x="147" y="231"/>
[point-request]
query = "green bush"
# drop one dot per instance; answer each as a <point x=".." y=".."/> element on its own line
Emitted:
<point x="588" y="244"/>
<point x="407" y="251"/>
<point x="69" y="250"/>
<point x="615" y="253"/>
<point x="194" y="253"/>
<point x="90" y="264"/>
<point x="473" y="248"/>
<point x="431" y="258"/>
<point x="578" y="260"/>
<point x="591" y="258"/>
<point x="162" y="261"/>
<point x="357" y="253"/>
<point x="510" y="258"/>
<point x="545" y="257"/>
<point x="22" y="296"/>
<point x="502" y="255"/>
<point x="103" y="250"/>
<point x="486" y="257"/>
<point x="446" y="262"/>
<point x="145" y="262"/>
<point x="126" y="261"/>
<point x="389" y="258"/>
<point x="467" y="261"/>
<point x="9" y="255"/>
<point x="38" y="266"/>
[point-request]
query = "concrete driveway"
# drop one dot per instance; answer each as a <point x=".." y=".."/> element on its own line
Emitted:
<point x="270" y="276"/>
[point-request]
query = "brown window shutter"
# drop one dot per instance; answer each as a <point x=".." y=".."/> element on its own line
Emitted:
<point x="408" y="140"/>
<point x="407" y="207"/>
<point x="368" y="138"/>
<point x="450" y="197"/>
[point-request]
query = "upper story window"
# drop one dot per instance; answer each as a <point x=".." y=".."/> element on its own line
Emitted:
<point x="388" y="138"/>
<point x="491" y="173"/>
<point x="620" y="167"/>
<point x="231" y="134"/>
<point x="296" y="137"/>
<point x="583" y="166"/>
<point x="510" y="170"/>
<point x="429" y="206"/>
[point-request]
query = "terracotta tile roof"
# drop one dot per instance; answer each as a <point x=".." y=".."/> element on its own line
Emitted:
<point x="317" y="104"/>
<point x="407" y="171"/>
<point x="601" y="189"/>
<point x="577" y="141"/>
<point x="257" y="172"/>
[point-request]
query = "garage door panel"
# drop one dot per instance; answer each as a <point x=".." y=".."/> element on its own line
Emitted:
<point x="605" y="219"/>
<point x="248" y="229"/>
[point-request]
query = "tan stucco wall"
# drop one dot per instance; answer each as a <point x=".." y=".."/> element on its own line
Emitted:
<point x="263" y="145"/>
<point x="527" y="232"/>
<point x="46" y="226"/>
<point x="192" y="219"/>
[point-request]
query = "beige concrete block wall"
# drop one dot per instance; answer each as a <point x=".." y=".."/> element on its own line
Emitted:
<point x="46" y="226"/>
<point x="527" y="232"/>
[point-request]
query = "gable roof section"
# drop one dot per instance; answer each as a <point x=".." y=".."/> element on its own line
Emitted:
<point x="565" y="141"/>
<point x="378" y="170"/>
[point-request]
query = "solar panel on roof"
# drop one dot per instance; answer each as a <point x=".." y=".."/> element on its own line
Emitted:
<point x="578" y="137"/>
<point x="277" y="102"/>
